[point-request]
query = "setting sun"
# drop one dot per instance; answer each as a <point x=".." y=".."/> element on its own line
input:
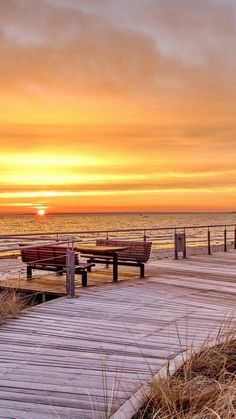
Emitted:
<point x="41" y="212"/>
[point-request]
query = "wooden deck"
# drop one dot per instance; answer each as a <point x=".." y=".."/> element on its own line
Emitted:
<point x="50" y="283"/>
<point x="75" y="358"/>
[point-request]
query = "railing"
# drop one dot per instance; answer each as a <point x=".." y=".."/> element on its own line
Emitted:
<point x="205" y="237"/>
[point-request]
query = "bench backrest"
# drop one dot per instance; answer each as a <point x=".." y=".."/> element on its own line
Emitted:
<point x="46" y="255"/>
<point x="138" y="251"/>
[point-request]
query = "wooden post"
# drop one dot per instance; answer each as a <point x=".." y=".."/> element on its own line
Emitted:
<point x="144" y="236"/>
<point x="115" y="267"/>
<point x="29" y="272"/>
<point x="185" y="246"/>
<point x="176" y="246"/>
<point x="70" y="272"/>
<point x="235" y="237"/>
<point x="225" y="240"/>
<point x="72" y="275"/>
<point x="107" y="238"/>
<point x="142" y="270"/>
<point x="209" y="241"/>
<point x="84" y="279"/>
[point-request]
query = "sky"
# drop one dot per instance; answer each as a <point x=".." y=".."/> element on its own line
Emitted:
<point x="117" y="105"/>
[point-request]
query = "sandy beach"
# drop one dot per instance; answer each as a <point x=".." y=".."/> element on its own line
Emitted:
<point x="12" y="267"/>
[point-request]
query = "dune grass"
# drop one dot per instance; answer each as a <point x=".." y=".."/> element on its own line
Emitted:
<point x="203" y="388"/>
<point x="11" y="305"/>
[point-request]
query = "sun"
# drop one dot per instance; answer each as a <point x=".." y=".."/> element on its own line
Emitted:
<point x="41" y="212"/>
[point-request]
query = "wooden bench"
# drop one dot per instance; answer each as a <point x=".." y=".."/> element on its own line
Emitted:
<point x="137" y="254"/>
<point x="52" y="258"/>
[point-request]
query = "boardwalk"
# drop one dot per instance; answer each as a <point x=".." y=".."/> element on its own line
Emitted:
<point x="75" y="358"/>
<point x="49" y="283"/>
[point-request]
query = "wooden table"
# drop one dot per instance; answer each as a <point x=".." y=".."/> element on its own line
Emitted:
<point x="104" y="251"/>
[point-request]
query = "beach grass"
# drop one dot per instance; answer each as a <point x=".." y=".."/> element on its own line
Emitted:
<point x="203" y="388"/>
<point x="11" y="305"/>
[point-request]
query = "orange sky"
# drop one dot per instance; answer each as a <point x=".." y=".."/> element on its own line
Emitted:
<point x="117" y="105"/>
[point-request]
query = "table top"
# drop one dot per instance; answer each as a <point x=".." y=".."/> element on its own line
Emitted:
<point x="100" y="249"/>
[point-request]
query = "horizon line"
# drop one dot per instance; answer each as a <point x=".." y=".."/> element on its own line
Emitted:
<point x="119" y="212"/>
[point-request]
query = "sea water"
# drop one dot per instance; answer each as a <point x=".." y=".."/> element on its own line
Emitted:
<point x="17" y="224"/>
<point x="13" y="224"/>
<point x="82" y="224"/>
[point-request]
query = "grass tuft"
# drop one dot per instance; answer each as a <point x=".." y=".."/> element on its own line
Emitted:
<point x="11" y="305"/>
<point x="203" y="388"/>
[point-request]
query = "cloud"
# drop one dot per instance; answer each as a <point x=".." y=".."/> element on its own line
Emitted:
<point x="170" y="48"/>
<point x="144" y="86"/>
<point x="73" y="53"/>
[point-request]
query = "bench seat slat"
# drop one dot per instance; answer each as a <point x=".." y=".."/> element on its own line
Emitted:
<point x="137" y="251"/>
<point x="46" y="255"/>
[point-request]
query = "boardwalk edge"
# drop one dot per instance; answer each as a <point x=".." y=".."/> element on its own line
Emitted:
<point x="136" y="401"/>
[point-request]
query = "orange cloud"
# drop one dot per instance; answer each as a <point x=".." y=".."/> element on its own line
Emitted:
<point x="130" y="101"/>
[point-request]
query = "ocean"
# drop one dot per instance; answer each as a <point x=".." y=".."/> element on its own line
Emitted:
<point x="15" y="224"/>
<point x="81" y="224"/>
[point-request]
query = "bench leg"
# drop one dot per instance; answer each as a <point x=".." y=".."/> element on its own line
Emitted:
<point x="142" y="271"/>
<point x="89" y="269"/>
<point x="29" y="272"/>
<point x="84" y="278"/>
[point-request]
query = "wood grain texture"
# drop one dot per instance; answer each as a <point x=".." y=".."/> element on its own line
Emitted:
<point x="75" y="358"/>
